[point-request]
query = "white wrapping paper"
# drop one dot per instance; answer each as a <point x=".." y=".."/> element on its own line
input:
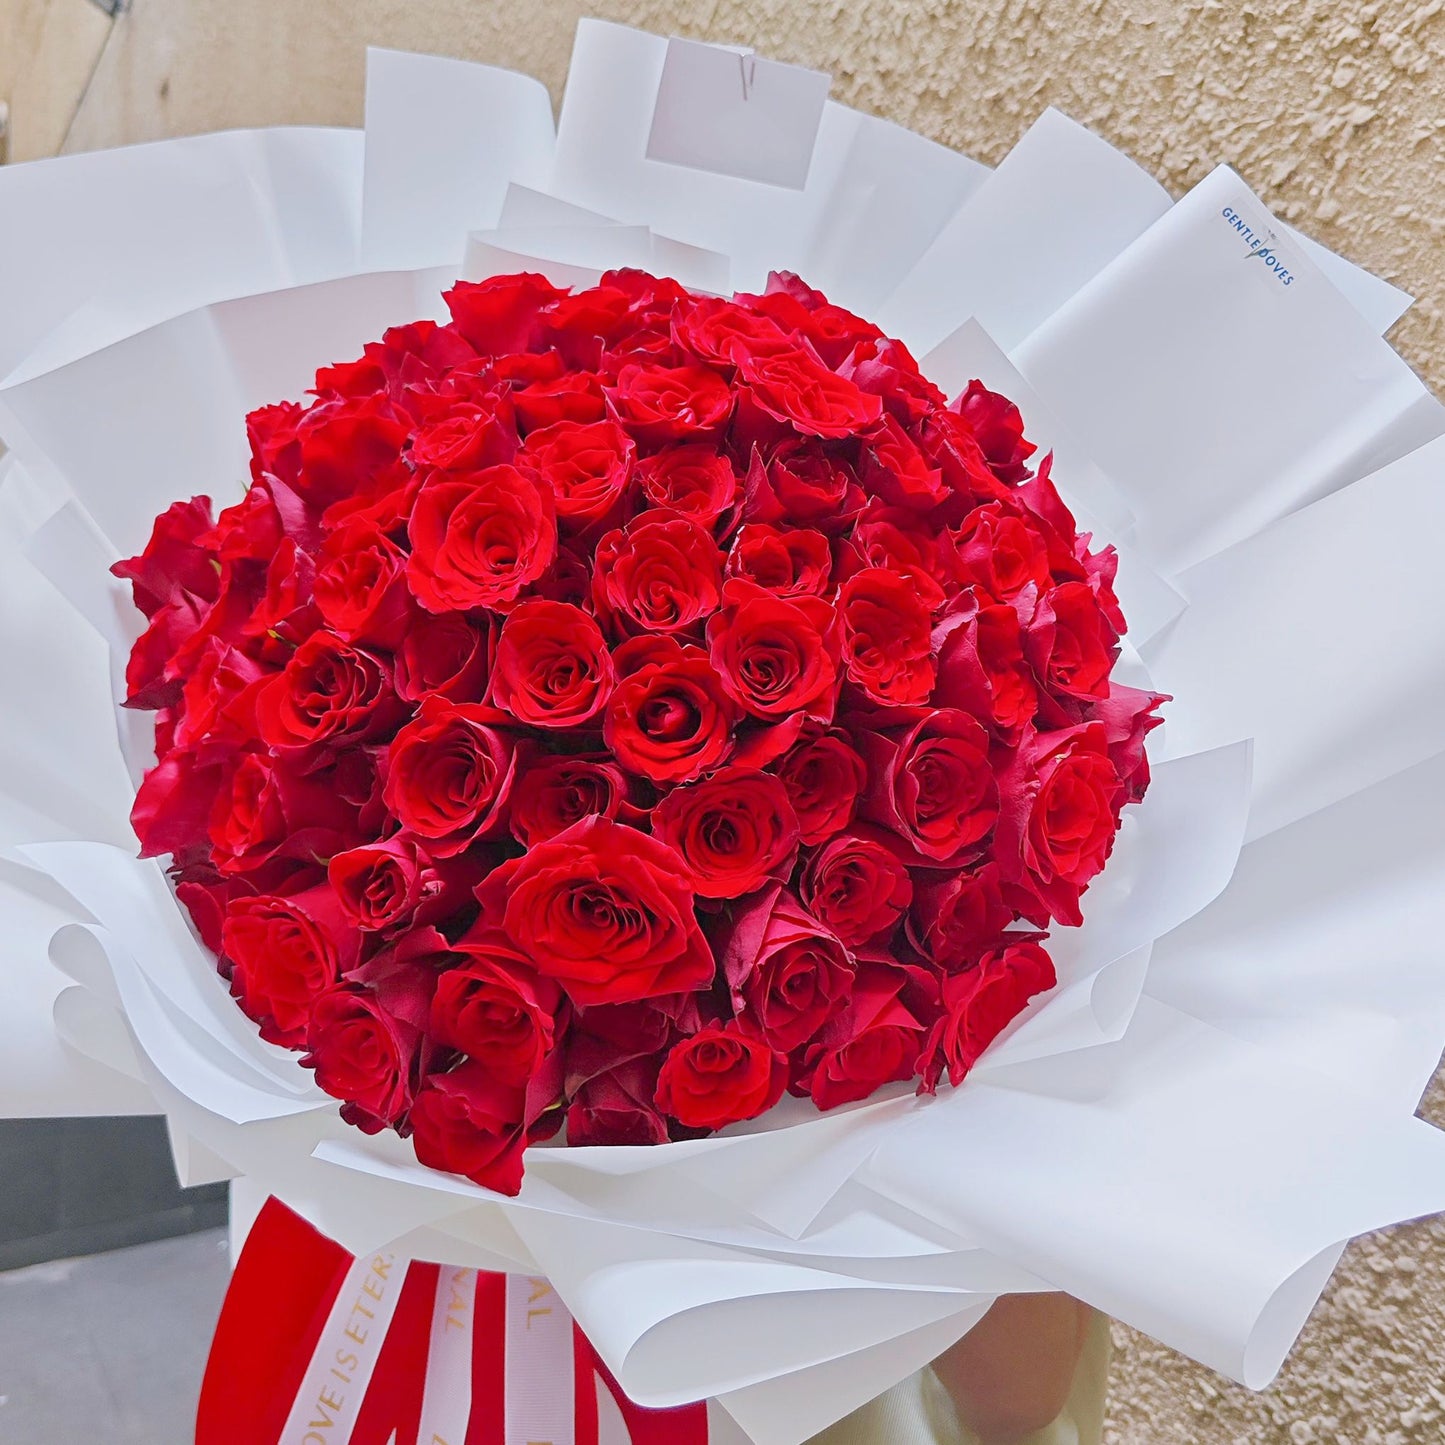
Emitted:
<point x="1219" y="1093"/>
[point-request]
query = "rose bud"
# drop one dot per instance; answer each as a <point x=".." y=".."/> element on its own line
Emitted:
<point x="661" y="573"/>
<point x="605" y="910"/>
<point x="734" y="830"/>
<point x="552" y="669"/>
<point x="720" y="1076"/>
<point x="1060" y="799"/>
<point x="979" y="1004"/>
<point x="886" y="637"/>
<point x="495" y="1007"/>
<point x="933" y="785"/>
<point x="824" y="778"/>
<point x="450" y="775"/>
<point x="858" y="885"/>
<point x="788" y="973"/>
<point x="586" y="465"/>
<point x="479" y="539"/>
<point x="876" y="1040"/>
<point x="471" y="1123"/>
<point x="284" y="953"/>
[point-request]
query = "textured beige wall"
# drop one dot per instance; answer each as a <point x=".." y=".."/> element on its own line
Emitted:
<point x="1332" y="110"/>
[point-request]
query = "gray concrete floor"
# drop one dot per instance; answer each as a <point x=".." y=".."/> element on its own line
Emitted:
<point x="109" y="1350"/>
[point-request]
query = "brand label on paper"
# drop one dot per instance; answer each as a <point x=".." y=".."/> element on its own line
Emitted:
<point x="729" y="111"/>
<point x="1262" y="245"/>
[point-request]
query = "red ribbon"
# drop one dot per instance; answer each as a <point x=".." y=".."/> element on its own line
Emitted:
<point x="286" y="1281"/>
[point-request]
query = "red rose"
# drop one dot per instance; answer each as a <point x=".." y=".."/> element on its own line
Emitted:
<point x="776" y="656"/>
<point x="479" y="540"/>
<point x="788" y="973"/>
<point x="900" y="541"/>
<point x="573" y="397"/>
<point x="285" y="952"/>
<point x="177" y="561"/>
<point x="694" y="481"/>
<point x="449" y="655"/>
<point x="503" y="313"/>
<point x="1001" y="552"/>
<point x="1128" y="716"/>
<point x="360" y="587"/>
<point x="671" y="720"/>
<point x="661" y="573"/>
<point x="996" y="423"/>
<point x="933" y="785"/>
<point x="956" y="915"/>
<point x="365" y="1042"/>
<point x="586" y="464"/>
<point x="449" y="776"/>
<point x="382" y="886"/>
<point x="805" y="485"/>
<point x="605" y="910"/>
<point x="495" y="1007"/>
<point x="858" y="885"/>
<point x="886" y="630"/>
<point x="720" y="1076"/>
<point x="663" y="404"/>
<point x="980" y="1004"/>
<point x="270" y="808"/>
<point x="824" y="778"/>
<point x="349" y="448"/>
<point x="616" y="1107"/>
<point x="553" y="793"/>
<point x="329" y="692"/>
<point x="787" y="564"/>
<point x="465" y="437"/>
<point x="899" y="473"/>
<point x="798" y="389"/>
<point x="1071" y="643"/>
<point x="734" y="830"/>
<point x="876" y="1040"/>
<point x="1059" y="814"/>
<point x="471" y="1123"/>
<point x="552" y="669"/>
<point x="981" y="668"/>
<point x="721" y="331"/>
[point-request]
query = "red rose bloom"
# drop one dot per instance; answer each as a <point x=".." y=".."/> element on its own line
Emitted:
<point x="776" y="656"/>
<point x="284" y="953"/>
<point x="665" y="404"/>
<point x="858" y="885"/>
<point x="552" y="794"/>
<point x="824" y="778"/>
<point x="662" y="573"/>
<point x="788" y="973"/>
<point x="447" y="656"/>
<point x="980" y="1004"/>
<point x="734" y="830"/>
<point x="886" y="632"/>
<point x="553" y="669"/>
<point x="720" y="1076"/>
<point x="787" y="564"/>
<point x="875" y="1041"/>
<point x="328" y="693"/>
<point x="693" y="481"/>
<point x="671" y="721"/>
<point x="382" y="886"/>
<point x="587" y="465"/>
<point x="469" y="1122"/>
<point x="495" y="1007"/>
<point x="1071" y="643"/>
<point x="933" y="785"/>
<point x="479" y="540"/>
<point x="956" y="915"/>
<point x="798" y="389"/>
<point x="450" y="775"/>
<point x="605" y="910"/>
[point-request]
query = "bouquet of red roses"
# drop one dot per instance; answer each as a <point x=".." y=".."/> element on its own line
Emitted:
<point x="615" y="706"/>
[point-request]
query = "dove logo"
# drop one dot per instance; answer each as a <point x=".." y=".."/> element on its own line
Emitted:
<point x="1263" y="246"/>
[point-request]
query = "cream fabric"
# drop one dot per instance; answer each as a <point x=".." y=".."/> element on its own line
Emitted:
<point x="919" y="1412"/>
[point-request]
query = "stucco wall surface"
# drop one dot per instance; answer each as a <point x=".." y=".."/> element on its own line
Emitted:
<point x="1333" y="111"/>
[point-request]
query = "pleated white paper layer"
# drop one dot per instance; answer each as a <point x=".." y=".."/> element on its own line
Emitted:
<point x="1219" y="1094"/>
